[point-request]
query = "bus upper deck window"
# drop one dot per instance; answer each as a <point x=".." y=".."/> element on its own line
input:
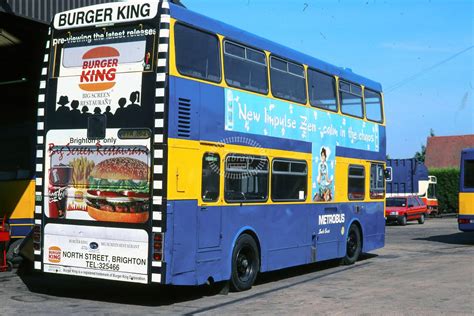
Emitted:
<point x="245" y="68"/>
<point x="468" y="174"/>
<point x="322" y="90"/>
<point x="197" y="53"/>
<point x="288" y="80"/>
<point x="373" y="105"/>
<point x="351" y="99"/>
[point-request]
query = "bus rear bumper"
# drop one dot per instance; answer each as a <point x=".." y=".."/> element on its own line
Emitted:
<point x="466" y="223"/>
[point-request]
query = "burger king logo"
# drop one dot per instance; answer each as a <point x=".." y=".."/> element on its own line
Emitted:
<point x="54" y="255"/>
<point x="99" y="66"/>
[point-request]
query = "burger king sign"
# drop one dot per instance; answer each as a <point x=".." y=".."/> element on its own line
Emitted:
<point x="99" y="68"/>
<point x="94" y="78"/>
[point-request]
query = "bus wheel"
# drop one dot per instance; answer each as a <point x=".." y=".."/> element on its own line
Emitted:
<point x="353" y="245"/>
<point x="245" y="263"/>
<point x="421" y="220"/>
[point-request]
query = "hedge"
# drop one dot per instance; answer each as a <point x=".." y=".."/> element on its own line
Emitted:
<point x="447" y="189"/>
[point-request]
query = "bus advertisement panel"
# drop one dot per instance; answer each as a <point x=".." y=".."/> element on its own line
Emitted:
<point x="96" y="124"/>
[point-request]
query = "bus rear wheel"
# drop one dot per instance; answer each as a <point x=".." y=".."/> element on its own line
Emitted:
<point x="245" y="263"/>
<point x="353" y="245"/>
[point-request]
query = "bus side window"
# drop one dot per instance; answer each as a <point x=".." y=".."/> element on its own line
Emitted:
<point x="351" y="99"/>
<point x="245" y="68"/>
<point x="197" y="53"/>
<point x="289" y="180"/>
<point x="288" y="80"/>
<point x="377" y="180"/>
<point x="373" y="106"/>
<point x="246" y="179"/>
<point x="356" y="183"/>
<point x="322" y="90"/>
<point x="210" y="177"/>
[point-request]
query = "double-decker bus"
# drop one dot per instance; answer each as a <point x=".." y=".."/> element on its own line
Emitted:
<point x="466" y="191"/>
<point x="176" y="149"/>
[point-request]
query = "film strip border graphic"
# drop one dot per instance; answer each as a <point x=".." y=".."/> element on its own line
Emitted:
<point x="40" y="148"/>
<point x="158" y="271"/>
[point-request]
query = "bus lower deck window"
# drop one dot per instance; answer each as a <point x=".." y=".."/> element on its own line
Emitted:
<point x="246" y="179"/>
<point x="356" y="182"/>
<point x="210" y="177"/>
<point x="377" y="180"/>
<point x="289" y="180"/>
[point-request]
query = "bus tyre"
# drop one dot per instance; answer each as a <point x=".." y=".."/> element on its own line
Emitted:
<point x="13" y="253"/>
<point x="421" y="220"/>
<point x="402" y="221"/>
<point x="353" y="245"/>
<point x="245" y="263"/>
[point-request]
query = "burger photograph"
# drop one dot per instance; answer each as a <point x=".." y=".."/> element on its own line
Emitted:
<point x="110" y="190"/>
<point x="118" y="190"/>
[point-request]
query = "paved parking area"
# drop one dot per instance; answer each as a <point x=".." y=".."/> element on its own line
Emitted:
<point x="423" y="270"/>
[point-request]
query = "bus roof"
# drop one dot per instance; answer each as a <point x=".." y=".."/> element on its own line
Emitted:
<point x="201" y="21"/>
<point x="468" y="152"/>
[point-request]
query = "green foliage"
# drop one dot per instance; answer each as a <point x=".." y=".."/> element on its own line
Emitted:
<point x="447" y="189"/>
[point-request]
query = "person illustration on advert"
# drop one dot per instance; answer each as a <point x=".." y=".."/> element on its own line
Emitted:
<point x="108" y="113"/>
<point x="85" y="113"/>
<point x="97" y="110"/>
<point x="75" y="113"/>
<point x="120" y="112"/>
<point x="323" y="178"/>
<point x="134" y="97"/>
<point x="63" y="101"/>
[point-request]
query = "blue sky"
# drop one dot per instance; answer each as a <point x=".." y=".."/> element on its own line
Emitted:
<point x="385" y="40"/>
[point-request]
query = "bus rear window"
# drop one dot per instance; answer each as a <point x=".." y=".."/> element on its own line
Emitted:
<point x="124" y="53"/>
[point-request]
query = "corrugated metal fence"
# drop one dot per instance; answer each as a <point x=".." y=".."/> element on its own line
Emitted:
<point x="44" y="10"/>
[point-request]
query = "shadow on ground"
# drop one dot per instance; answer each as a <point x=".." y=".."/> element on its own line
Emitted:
<point x="460" y="238"/>
<point x="155" y="295"/>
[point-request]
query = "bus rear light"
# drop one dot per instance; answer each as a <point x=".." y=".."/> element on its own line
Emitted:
<point x="463" y="221"/>
<point x="157" y="246"/>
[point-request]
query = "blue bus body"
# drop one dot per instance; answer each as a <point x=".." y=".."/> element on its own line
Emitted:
<point x="200" y="239"/>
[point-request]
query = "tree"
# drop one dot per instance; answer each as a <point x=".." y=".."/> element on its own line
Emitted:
<point x="420" y="155"/>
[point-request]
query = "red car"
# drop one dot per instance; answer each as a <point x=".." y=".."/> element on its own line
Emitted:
<point x="404" y="209"/>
